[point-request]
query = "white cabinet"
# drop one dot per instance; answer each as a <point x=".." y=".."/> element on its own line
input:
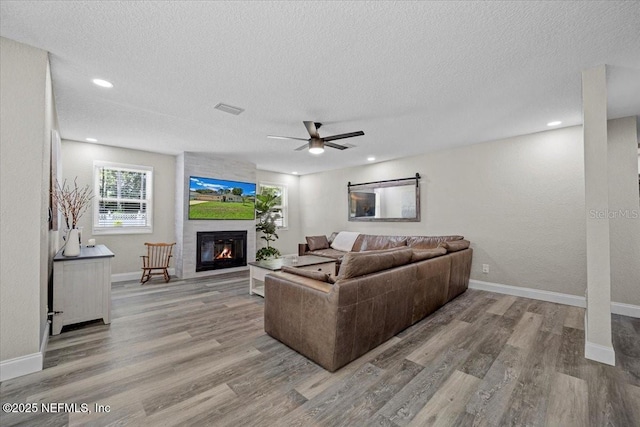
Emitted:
<point x="82" y="287"/>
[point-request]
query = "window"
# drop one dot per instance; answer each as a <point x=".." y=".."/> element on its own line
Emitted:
<point x="279" y="190"/>
<point x="123" y="198"/>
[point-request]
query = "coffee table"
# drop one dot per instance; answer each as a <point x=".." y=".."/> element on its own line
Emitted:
<point x="259" y="269"/>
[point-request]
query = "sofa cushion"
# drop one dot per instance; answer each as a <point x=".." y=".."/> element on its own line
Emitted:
<point x="311" y="274"/>
<point x="356" y="264"/>
<point x="422" y="254"/>
<point x="317" y="242"/>
<point x="429" y="242"/>
<point x="344" y="241"/>
<point x="455" y="246"/>
<point x="329" y="253"/>
<point x="369" y="242"/>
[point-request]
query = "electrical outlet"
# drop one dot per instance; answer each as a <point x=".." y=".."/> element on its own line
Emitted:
<point x="485" y="268"/>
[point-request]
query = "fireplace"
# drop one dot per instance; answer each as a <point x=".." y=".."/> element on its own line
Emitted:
<point x="221" y="249"/>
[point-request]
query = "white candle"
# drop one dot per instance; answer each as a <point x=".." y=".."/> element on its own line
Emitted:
<point x="91" y="242"/>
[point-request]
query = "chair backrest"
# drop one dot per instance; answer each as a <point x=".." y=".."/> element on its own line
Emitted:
<point x="159" y="254"/>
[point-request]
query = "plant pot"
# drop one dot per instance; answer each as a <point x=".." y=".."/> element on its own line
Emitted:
<point x="72" y="247"/>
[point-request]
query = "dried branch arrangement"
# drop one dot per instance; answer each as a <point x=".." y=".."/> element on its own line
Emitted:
<point x="72" y="202"/>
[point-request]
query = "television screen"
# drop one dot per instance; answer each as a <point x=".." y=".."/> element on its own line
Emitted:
<point x="218" y="199"/>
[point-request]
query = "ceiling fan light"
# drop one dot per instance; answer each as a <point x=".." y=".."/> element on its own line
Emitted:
<point x="316" y="146"/>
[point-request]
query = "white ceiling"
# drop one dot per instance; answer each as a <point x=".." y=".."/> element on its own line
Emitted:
<point x="414" y="76"/>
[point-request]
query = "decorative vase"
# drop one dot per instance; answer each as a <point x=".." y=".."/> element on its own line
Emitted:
<point x="72" y="247"/>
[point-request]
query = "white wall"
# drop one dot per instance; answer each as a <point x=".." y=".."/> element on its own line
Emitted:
<point x="24" y="184"/>
<point x="77" y="161"/>
<point x="624" y="211"/>
<point x="520" y="201"/>
<point x="289" y="238"/>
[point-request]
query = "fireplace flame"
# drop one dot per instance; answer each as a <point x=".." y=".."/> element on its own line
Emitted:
<point x="225" y="254"/>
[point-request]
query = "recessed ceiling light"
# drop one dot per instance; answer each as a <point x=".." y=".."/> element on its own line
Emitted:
<point x="294" y="172"/>
<point x="102" y="83"/>
<point x="371" y="159"/>
<point x="556" y="123"/>
<point x="91" y="140"/>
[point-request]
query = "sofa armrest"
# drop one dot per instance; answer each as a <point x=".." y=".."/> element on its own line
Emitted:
<point x="303" y="248"/>
<point x="302" y="313"/>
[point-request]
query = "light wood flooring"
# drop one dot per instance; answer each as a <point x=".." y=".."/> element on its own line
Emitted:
<point x="195" y="353"/>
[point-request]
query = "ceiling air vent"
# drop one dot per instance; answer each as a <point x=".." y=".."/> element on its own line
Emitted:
<point x="229" y="109"/>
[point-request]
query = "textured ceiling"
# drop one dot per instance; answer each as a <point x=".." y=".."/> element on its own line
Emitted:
<point x="414" y="76"/>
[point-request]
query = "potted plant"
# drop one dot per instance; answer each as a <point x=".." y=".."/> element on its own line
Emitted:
<point x="266" y="216"/>
<point x="73" y="203"/>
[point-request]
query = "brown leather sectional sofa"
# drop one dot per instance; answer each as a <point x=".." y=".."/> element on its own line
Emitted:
<point x="377" y="293"/>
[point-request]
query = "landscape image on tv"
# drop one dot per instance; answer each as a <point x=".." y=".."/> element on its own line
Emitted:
<point x="219" y="199"/>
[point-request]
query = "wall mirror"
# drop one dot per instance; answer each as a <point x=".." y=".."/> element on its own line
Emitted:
<point x="392" y="200"/>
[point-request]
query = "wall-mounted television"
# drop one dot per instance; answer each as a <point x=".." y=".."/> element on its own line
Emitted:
<point x="220" y="199"/>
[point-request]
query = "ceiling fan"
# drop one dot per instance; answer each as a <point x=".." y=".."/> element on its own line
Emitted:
<point x="316" y="144"/>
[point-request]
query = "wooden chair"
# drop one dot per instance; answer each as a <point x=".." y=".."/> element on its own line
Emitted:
<point x="157" y="258"/>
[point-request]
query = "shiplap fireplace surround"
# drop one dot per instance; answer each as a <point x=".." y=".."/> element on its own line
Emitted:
<point x="203" y="164"/>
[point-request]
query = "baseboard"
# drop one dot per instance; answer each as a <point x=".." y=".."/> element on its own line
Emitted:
<point x="20" y="366"/>
<point x="556" y="297"/>
<point x="28" y="364"/>
<point x="125" y="277"/>
<point x="625" y="309"/>
<point x="599" y="353"/>
<point x="518" y="291"/>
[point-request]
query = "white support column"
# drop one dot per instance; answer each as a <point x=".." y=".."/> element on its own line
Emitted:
<point x="598" y="345"/>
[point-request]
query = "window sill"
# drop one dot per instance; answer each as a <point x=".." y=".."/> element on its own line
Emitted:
<point x="122" y="230"/>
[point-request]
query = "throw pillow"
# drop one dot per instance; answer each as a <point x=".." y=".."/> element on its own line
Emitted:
<point x="316" y="275"/>
<point x="344" y="241"/>
<point x="317" y="242"/>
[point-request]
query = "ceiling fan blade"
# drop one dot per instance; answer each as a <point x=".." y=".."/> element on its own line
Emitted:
<point x="343" y="136"/>
<point x="286" y="137"/>
<point x="302" y="147"/>
<point x="337" y="146"/>
<point x="311" y="128"/>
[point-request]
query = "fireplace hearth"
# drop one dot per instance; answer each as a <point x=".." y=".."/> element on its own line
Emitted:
<point x="221" y="249"/>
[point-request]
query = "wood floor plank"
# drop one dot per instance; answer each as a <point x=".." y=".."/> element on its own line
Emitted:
<point x="409" y="400"/>
<point x="568" y="401"/>
<point x="160" y="389"/>
<point x="321" y="381"/>
<point x="183" y="411"/>
<point x="524" y="334"/>
<point x="571" y="360"/>
<point x="428" y="351"/>
<point x="390" y="382"/>
<point x="502" y="305"/>
<point x="67" y="391"/>
<point x="324" y="404"/>
<point x="529" y="400"/>
<point x="574" y="318"/>
<point x="553" y="315"/>
<point x="491" y="400"/>
<point x="443" y="408"/>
